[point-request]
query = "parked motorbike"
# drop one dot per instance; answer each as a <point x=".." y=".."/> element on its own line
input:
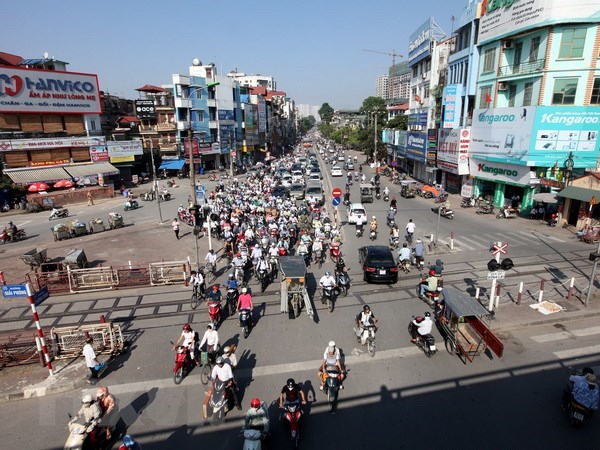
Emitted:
<point x="292" y="415"/>
<point x="5" y="206"/>
<point x="328" y="297"/>
<point x="507" y="213"/>
<point x="245" y="321"/>
<point x="130" y="204"/>
<point x="164" y="195"/>
<point x="58" y="213"/>
<point x="424" y="342"/>
<point x="373" y="235"/>
<point x="5" y="236"/>
<point x="485" y="208"/>
<point x="467" y="202"/>
<point x="445" y="212"/>
<point x="183" y="363"/>
<point x="332" y="385"/>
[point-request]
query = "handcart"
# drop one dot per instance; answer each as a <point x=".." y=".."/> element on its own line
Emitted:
<point x="97" y="225"/>
<point x="78" y="228"/>
<point x="293" y="286"/>
<point x="60" y="232"/>
<point x="35" y="258"/>
<point x="459" y="318"/>
<point x="76" y="259"/>
<point x="115" y="220"/>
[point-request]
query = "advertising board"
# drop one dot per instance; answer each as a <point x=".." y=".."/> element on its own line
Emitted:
<point x="452" y="104"/>
<point x="419" y="119"/>
<point x="416" y="146"/>
<point x="99" y="153"/>
<point x="506" y="173"/>
<point x="419" y="43"/>
<point x="144" y="109"/>
<point x="122" y="149"/>
<point x="48" y="143"/>
<point x="48" y="91"/>
<point x="453" y="151"/>
<point x="262" y="114"/>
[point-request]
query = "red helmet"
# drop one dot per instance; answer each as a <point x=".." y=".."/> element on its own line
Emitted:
<point x="419" y="319"/>
<point x="215" y="287"/>
<point x="255" y="403"/>
<point x="238" y="254"/>
<point x="431" y="272"/>
<point x="187" y="327"/>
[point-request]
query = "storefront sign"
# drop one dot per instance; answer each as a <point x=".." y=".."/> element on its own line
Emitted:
<point x="262" y="114"/>
<point x="499" y="172"/>
<point x="43" y="143"/>
<point x="36" y="91"/>
<point x="431" y="146"/>
<point x="504" y="17"/>
<point x="467" y="189"/>
<point x="121" y="149"/>
<point x="453" y="151"/>
<point x="121" y="159"/>
<point x="144" y="109"/>
<point x="226" y="114"/>
<point x="452" y="104"/>
<point x="48" y="163"/>
<point x="419" y="43"/>
<point x="416" y="146"/>
<point x="400" y="137"/>
<point x="99" y="153"/>
<point x="547" y="182"/>
<point x="419" y="119"/>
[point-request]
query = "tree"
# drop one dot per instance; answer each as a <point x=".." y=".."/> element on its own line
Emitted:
<point x="306" y="124"/>
<point x="400" y="122"/>
<point x="326" y="129"/>
<point x="371" y="104"/>
<point x="326" y="112"/>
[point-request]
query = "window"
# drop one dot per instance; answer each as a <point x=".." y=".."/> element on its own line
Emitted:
<point x="485" y="96"/>
<point x="415" y="71"/>
<point x="534" y="49"/>
<point x="564" y="91"/>
<point x="426" y="92"/>
<point x="595" y="99"/>
<point x="489" y="60"/>
<point x="512" y="93"/>
<point x="572" y="42"/>
<point x="93" y="125"/>
<point x="527" y="94"/>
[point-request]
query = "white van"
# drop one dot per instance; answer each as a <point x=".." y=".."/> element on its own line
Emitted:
<point x="314" y="193"/>
<point x="356" y="211"/>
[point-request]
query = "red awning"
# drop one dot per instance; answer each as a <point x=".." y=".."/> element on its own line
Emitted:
<point x="151" y="88"/>
<point x="127" y="119"/>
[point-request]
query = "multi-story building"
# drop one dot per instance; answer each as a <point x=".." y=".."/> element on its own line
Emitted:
<point x="382" y="88"/>
<point x="399" y="82"/>
<point x="538" y="91"/>
<point x="257" y="80"/>
<point x="308" y="110"/>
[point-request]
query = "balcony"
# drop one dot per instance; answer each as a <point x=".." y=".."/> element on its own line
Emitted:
<point x="212" y="103"/>
<point x="524" y="68"/>
<point x="165" y="127"/>
<point x="168" y="146"/>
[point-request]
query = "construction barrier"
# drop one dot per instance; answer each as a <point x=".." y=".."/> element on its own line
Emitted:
<point x="93" y="279"/>
<point x="168" y="272"/>
<point x="17" y="348"/>
<point x="68" y="342"/>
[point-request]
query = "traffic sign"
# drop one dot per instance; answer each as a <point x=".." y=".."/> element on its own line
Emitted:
<point x="41" y="295"/>
<point x="497" y="275"/>
<point x="500" y="247"/>
<point x="14" y="290"/>
<point x="394" y="163"/>
<point x="336" y="201"/>
<point x="337" y="192"/>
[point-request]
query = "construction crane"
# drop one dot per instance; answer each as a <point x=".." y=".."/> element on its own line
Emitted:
<point x="394" y="55"/>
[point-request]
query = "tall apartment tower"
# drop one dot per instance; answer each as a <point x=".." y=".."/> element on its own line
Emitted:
<point x="382" y="87"/>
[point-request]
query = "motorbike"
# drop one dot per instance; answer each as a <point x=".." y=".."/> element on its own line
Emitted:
<point x="183" y="363"/>
<point x="409" y="238"/>
<point x="292" y="415"/>
<point x="327" y="229"/>
<point x="441" y="198"/>
<point x="359" y="231"/>
<point x="485" y="208"/>
<point x="130" y="204"/>
<point x="373" y="235"/>
<point x="367" y="337"/>
<point x="5" y="207"/>
<point x="404" y="265"/>
<point x="553" y="220"/>
<point x="343" y="282"/>
<point x="232" y="297"/>
<point x="424" y="342"/>
<point x="391" y="222"/>
<point x="377" y="195"/>
<point x="219" y="401"/>
<point x="418" y="262"/>
<point x="78" y="434"/>
<point x="334" y="251"/>
<point x="395" y="242"/>
<point x="245" y="321"/>
<point x="214" y="311"/>
<point x="239" y="274"/>
<point x="58" y="213"/>
<point x="263" y="278"/>
<point x="444" y="212"/>
<point x="386" y="198"/>
<point x="507" y="213"/>
<point x="467" y="202"/>
<point x="147" y="196"/>
<point x="5" y="236"/>
<point x="328" y="297"/>
<point x="332" y="385"/>
<point x="431" y="297"/>
<point x="165" y="196"/>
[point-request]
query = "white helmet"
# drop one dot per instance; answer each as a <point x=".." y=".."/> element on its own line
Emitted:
<point x="87" y="398"/>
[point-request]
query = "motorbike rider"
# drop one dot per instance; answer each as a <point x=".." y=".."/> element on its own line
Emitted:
<point x="377" y="191"/>
<point x="393" y="203"/>
<point x="331" y="357"/>
<point x="391" y="215"/>
<point x="302" y="250"/>
<point x="223" y="372"/>
<point x="359" y="225"/>
<point x="211" y="258"/>
<point x="129" y="443"/>
<point x="91" y="413"/>
<point x="107" y="405"/>
<point x="317" y="249"/>
<point x="245" y="302"/>
<point x="419" y="250"/>
<point x="256" y="255"/>
<point x="187" y="339"/>
<point x="211" y="338"/>
<point x="257" y="417"/>
<point x="422" y="326"/>
<point x="238" y="263"/>
<point x="363" y="319"/>
<point x="214" y="294"/>
<point x="327" y="281"/>
<point x="410" y="228"/>
<point x="428" y="284"/>
<point x="386" y="191"/>
<point x="197" y="280"/>
<point x="273" y="253"/>
<point x="404" y="255"/>
<point x="438" y="267"/>
<point x="394" y="234"/>
<point x="11" y="231"/>
<point x="291" y="393"/>
<point x="232" y="283"/>
<point x="229" y="356"/>
<point x="262" y="265"/>
<point x="373" y="224"/>
<point x="583" y="389"/>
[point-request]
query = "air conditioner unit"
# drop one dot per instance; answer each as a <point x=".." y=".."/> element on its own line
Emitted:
<point x="507" y="45"/>
<point x="502" y="86"/>
<point x="424" y="75"/>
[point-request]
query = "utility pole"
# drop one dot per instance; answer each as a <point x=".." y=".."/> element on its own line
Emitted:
<point x="194" y="202"/>
<point x="375" y="140"/>
<point x="155" y="181"/>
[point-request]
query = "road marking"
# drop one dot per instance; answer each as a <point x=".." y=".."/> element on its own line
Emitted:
<point x="460" y="244"/>
<point x="566" y="334"/>
<point x="521" y="235"/>
<point x="545" y="236"/>
<point x="21" y="224"/>
<point x="351" y="359"/>
<point x="485" y="242"/>
<point x="576" y="352"/>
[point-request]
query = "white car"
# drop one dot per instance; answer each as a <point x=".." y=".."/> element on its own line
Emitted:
<point x="321" y="151"/>
<point x="336" y="171"/>
<point x="355" y="211"/>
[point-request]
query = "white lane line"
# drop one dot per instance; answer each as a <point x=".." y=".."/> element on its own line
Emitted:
<point x="461" y="243"/>
<point x="566" y="334"/>
<point x="21" y="224"/>
<point x="552" y="238"/>
<point x="479" y="240"/>
<point x="275" y="369"/>
<point x="527" y="236"/>
<point x="582" y="351"/>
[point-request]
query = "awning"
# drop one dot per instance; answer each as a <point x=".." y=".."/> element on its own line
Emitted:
<point x="34" y="175"/>
<point x="579" y="193"/>
<point x="88" y="170"/>
<point x="175" y="164"/>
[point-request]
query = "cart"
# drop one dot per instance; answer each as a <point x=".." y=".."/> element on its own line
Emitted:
<point x="366" y="193"/>
<point x="60" y="232"/>
<point x="115" y="220"/>
<point x="459" y="319"/>
<point x="35" y="258"/>
<point x="408" y="188"/>
<point x="78" y="228"/>
<point x="76" y="259"/>
<point x="293" y="286"/>
<point x="97" y="226"/>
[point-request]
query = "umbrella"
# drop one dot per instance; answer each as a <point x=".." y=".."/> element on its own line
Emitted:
<point x="545" y="197"/>
<point x="37" y="187"/>
<point x="63" y="184"/>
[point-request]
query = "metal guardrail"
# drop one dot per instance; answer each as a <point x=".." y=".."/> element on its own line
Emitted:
<point x="168" y="272"/>
<point x="93" y="279"/>
<point x="521" y="69"/>
<point x="68" y="342"/>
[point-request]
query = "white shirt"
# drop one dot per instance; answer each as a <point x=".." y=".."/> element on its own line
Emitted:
<point x="331" y="360"/>
<point x="425" y="326"/>
<point x="410" y="227"/>
<point x="232" y="360"/>
<point x="273" y="252"/>
<point x="197" y="279"/>
<point x="327" y="281"/>
<point x="211" y="337"/>
<point x="90" y="355"/>
<point x="211" y="258"/>
<point x="188" y="337"/>
<point x="403" y="254"/>
<point x="223" y="373"/>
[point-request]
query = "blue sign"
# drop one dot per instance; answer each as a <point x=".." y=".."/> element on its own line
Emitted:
<point x="419" y="119"/>
<point x="452" y="103"/>
<point x="416" y="146"/>
<point x="419" y="43"/>
<point x="41" y="295"/>
<point x="200" y="194"/>
<point x="336" y="201"/>
<point x="14" y="290"/>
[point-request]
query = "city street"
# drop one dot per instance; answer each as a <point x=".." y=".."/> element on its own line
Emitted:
<point x="397" y="399"/>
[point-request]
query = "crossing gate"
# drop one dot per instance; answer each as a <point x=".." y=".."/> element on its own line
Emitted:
<point x="68" y="342"/>
<point x="92" y="279"/>
<point x="168" y="272"/>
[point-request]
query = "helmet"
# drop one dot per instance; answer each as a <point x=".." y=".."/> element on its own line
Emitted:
<point x="373" y="217"/>
<point x="238" y="254"/>
<point x="230" y="275"/>
<point x="290" y="383"/>
<point x="101" y="392"/>
<point x="404" y="245"/>
<point x="244" y="290"/>
<point x="215" y="287"/>
<point x="128" y="441"/>
<point x="327" y="274"/>
<point x="187" y="327"/>
<point x="220" y="360"/>
<point x="331" y="347"/>
<point x="410" y="220"/>
<point x="255" y="402"/>
<point x="427" y="314"/>
<point x="211" y="326"/>
<point x="418" y="241"/>
<point x="419" y="319"/>
<point x="87" y="398"/>
<point x="272" y="244"/>
<point x="226" y="349"/>
<point x="432" y="272"/>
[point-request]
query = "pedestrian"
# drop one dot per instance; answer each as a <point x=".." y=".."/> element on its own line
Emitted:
<point x="175" y="226"/>
<point x="90" y="200"/>
<point x="91" y="361"/>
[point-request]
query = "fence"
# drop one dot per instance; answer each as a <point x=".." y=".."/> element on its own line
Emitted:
<point x="68" y="342"/>
<point x="18" y="348"/>
<point x="168" y="272"/>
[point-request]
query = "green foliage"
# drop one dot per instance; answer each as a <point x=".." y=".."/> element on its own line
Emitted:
<point x="326" y="129"/>
<point x="400" y="122"/>
<point x="312" y="121"/>
<point x="371" y="104"/>
<point x="306" y="124"/>
<point x="326" y="112"/>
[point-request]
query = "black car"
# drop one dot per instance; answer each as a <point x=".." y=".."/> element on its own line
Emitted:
<point x="281" y="191"/>
<point x="378" y="264"/>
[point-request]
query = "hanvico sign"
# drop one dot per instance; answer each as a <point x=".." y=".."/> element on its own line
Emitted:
<point x="506" y="173"/>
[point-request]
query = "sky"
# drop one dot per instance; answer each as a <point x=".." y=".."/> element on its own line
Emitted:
<point x="313" y="48"/>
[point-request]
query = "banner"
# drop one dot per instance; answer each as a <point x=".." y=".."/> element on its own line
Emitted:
<point x="99" y="153"/>
<point x="505" y="173"/>
<point x="453" y="151"/>
<point x="419" y="43"/>
<point x="144" y="109"/>
<point x="48" y="143"/>
<point x="121" y="149"/>
<point x="416" y="146"/>
<point x="452" y="105"/>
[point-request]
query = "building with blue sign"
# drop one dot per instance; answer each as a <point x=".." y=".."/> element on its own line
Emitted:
<point x="538" y="92"/>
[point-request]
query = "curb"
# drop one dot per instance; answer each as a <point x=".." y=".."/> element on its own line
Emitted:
<point x="534" y="323"/>
<point x="36" y="392"/>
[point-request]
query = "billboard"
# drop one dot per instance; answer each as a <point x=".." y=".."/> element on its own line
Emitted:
<point x="452" y="104"/>
<point x="416" y="146"/>
<point x="144" y="109"/>
<point x="453" y="151"/>
<point x="124" y="149"/>
<point x="507" y="17"/>
<point x="506" y="173"/>
<point x="226" y="114"/>
<point x="48" y="143"/>
<point x="418" y="119"/>
<point x="48" y="91"/>
<point x="99" y="153"/>
<point x="419" y="43"/>
<point x="262" y="114"/>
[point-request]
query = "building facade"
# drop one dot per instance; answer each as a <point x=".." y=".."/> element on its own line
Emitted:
<point x="382" y="87"/>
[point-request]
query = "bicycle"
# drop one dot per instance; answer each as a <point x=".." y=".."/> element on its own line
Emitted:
<point x="207" y="366"/>
<point x="198" y="296"/>
<point x="209" y="273"/>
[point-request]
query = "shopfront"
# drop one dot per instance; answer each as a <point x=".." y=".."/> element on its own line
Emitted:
<point x="453" y="158"/>
<point x="581" y="199"/>
<point x="416" y="156"/>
